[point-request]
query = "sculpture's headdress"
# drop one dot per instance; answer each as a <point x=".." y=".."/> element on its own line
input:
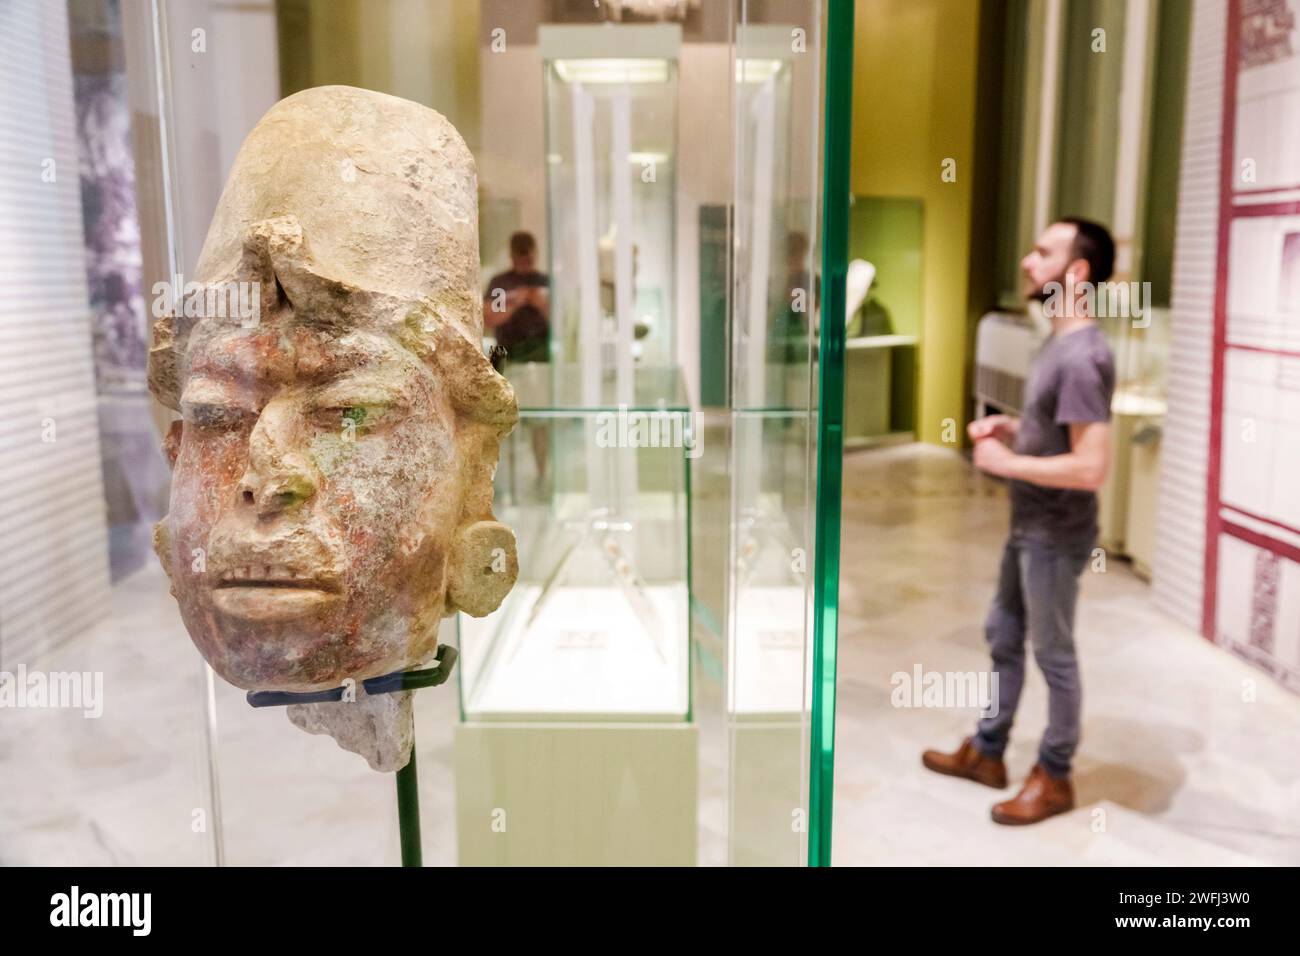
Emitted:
<point x="354" y="208"/>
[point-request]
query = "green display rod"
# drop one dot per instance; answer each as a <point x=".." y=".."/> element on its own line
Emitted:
<point x="408" y="811"/>
<point x="408" y="779"/>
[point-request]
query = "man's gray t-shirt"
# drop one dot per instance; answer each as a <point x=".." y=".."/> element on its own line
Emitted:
<point x="1071" y="382"/>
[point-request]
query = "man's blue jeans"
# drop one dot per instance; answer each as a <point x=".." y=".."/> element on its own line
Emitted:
<point x="1037" y="587"/>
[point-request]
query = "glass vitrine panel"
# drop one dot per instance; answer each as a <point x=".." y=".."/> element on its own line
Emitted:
<point x="611" y="121"/>
<point x="776" y="320"/>
<point x="597" y="626"/>
<point x="642" y="695"/>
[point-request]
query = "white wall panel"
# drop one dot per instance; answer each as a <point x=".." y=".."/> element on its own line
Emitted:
<point x="1179" y="569"/>
<point x="54" y="568"/>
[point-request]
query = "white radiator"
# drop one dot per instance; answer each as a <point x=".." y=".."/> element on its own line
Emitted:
<point x="1005" y="344"/>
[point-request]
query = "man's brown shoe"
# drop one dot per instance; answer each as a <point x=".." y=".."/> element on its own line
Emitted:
<point x="968" y="762"/>
<point x="1041" y="797"/>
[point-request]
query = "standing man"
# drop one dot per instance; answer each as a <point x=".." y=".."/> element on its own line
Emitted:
<point x="1056" y="456"/>
<point x="517" y="305"/>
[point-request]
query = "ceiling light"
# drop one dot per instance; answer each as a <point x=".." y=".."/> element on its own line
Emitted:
<point x="612" y="71"/>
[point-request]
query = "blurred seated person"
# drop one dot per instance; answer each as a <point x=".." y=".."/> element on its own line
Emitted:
<point x="801" y="294"/>
<point x="517" y="311"/>
<point x="517" y="305"/>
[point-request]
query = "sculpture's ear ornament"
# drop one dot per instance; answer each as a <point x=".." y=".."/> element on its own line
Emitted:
<point x="482" y="568"/>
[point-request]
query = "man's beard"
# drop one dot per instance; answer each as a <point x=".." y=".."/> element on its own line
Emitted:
<point x="1042" y="295"/>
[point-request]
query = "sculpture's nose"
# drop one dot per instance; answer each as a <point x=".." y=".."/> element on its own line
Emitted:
<point x="278" y="478"/>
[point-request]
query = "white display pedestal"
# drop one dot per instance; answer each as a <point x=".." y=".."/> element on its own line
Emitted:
<point x="581" y="794"/>
<point x="768" y="818"/>
<point x="766" y="707"/>
<point x="575" y="748"/>
<point x="1126" y="502"/>
<point x="585" y="656"/>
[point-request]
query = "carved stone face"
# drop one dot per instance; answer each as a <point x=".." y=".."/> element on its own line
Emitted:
<point x="331" y="498"/>
<point x="317" y="471"/>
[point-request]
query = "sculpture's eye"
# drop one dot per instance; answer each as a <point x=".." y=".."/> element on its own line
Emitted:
<point x="357" y="419"/>
<point x="214" y="415"/>
<point x="212" y="404"/>
<point x="356" y="406"/>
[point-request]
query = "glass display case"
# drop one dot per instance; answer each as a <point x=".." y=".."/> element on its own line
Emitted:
<point x="611" y="120"/>
<point x="777" y="318"/>
<point x="1127" y="512"/>
<point x="588" y="659"/>
<point x="1141" y="349"/>
<point x="658" y="685"/>
<point x="597" y="626"/>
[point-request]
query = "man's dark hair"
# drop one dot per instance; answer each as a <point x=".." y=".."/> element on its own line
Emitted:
<point x="1092" y="242"/>
<point x="522" y="243"/>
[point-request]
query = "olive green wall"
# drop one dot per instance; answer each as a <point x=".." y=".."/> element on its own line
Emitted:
<point x="1174" y="29"/>
<point x="915" y="65"/>
<point x="421" y="50"/>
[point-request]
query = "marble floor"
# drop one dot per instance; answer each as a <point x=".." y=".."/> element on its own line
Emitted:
<point x="1175" y="768"/>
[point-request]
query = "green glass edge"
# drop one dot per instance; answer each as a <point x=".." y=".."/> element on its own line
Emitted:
<point x="830" y="426"/>
<point x="690" y="589"/>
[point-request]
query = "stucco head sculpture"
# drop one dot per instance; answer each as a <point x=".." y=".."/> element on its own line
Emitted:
<point x="332" y="491"/>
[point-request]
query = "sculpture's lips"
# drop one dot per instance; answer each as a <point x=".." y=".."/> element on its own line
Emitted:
<point x="271" y="592"/>
<point x="271" y="576"/>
